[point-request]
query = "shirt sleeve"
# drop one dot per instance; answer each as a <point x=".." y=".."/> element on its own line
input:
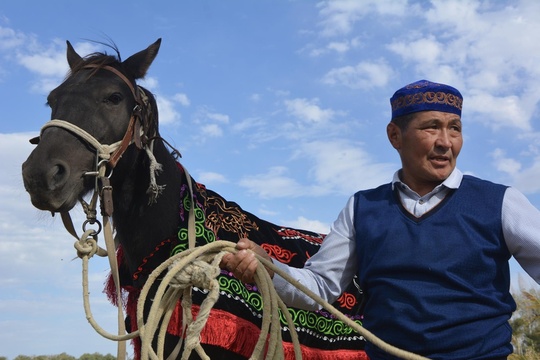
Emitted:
<point x="329" y="271"/>
<point x="521" y="229"/>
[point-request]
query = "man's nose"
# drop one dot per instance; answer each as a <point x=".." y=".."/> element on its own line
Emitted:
<point x="443" y="140"/>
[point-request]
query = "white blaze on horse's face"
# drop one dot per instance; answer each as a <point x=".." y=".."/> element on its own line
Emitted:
<point x="95" y="100"/>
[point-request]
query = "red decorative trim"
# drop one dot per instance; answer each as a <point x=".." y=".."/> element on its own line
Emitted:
<point x="277" y="252"/>
<point x="140" y="269"/>
<point x="318" y="354"/>
<point x="240" y="336"/>
<point x="347" y="300"/>
<point x="295" y="234"/>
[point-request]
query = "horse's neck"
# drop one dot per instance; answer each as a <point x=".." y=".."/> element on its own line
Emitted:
<point x="140" y="225"/>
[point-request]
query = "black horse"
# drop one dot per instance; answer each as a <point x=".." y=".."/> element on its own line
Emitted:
<point x="100" y="97"/>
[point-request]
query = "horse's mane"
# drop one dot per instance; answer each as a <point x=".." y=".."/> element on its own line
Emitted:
<point x="99" y="58"/>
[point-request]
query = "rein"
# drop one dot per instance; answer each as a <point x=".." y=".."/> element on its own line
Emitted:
<point x="193" y="267"/>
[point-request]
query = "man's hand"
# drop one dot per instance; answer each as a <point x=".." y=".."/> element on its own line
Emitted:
<point x="244" y="264"/>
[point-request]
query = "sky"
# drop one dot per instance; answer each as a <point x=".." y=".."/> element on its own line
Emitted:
<point x="280" y="106"/>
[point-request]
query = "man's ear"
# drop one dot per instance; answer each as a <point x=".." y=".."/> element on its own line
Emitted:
<point x="394" y="135"/>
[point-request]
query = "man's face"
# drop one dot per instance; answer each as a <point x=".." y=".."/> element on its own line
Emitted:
<point x="428" y="148"/>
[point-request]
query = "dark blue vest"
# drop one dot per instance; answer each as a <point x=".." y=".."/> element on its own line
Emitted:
<point x="437" y="285"/>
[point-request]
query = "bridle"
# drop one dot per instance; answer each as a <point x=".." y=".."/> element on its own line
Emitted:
<point x="135" y="133"/>
<point x="108" y="155"/>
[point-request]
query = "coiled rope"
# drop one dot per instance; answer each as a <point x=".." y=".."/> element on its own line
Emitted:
<point x="200" y="267"/>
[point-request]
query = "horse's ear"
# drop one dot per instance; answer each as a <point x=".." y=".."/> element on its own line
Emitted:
<point x="137" y="64"/>
<point x="72" y="57"/>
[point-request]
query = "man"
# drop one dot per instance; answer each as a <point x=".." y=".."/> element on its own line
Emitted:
<point x="430" y="249"/>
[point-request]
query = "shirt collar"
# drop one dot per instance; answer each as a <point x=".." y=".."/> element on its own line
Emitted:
<point x="452" y="181"/>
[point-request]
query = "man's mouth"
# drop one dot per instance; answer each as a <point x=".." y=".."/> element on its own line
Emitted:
<point x="440" y="159"/>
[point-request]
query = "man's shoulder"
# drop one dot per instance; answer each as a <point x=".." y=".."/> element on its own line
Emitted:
<point x="380" y="190"/>
<point x="471" y="180"/>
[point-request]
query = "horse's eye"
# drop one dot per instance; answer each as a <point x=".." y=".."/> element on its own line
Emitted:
<point x="114" y="99"/>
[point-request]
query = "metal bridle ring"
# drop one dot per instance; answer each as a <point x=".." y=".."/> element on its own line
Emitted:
<point x="92" y="222"/>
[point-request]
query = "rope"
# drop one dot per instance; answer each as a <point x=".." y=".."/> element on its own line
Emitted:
<point x="194" y="267"/>
<point x="200" y="267"/>
<point x="104" y="151"/>
<point x="86" y="248"/>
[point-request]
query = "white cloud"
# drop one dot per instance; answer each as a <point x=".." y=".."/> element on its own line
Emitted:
<point x="504" y="164"/>
<point x="182" y="99"/>
<point x="211" y="124"/>
<point x="212" y="130"/>
<point x="500" y="111"/>
<point x="453" y="13"/>
<point x="424" y="50"/>
<point x="149" y="82"/>
<point x="524" y="179"/>
<point x="343" y="167"/>
<point x="527" y="179"/>
<point x="304" y="223"/>
<point x="248" y="124"/>
<point x="339" y="47"/>
<point x="364" y="75"/>
<point x="339" y="16"/>
<point x="273" y="184"/>
<point x="11" y="39"/>
<point x="308" y="110"/>
<point x="222" y="118"/>
<point x="167" y="113"/>
<point x="208" y="177"/>
<point x="334" y="167"/>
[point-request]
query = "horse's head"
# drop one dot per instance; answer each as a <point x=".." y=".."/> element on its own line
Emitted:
<point x="97" y="112"/>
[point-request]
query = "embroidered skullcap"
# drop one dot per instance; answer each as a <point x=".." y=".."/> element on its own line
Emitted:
<point x="425" y="95"/>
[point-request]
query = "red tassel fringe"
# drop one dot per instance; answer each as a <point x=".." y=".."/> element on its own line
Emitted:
<point x="240" y="336"/>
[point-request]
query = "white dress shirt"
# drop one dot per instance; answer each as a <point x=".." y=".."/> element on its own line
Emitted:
<point x="330" y="270"/>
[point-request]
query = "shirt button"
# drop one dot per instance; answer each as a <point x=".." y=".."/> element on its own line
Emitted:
<point x="421" y="201"/>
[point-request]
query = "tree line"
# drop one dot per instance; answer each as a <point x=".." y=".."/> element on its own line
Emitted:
<point x="525" y="323"/>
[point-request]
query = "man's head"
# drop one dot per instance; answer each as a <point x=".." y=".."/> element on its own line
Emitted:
<point x="426" y="131"/>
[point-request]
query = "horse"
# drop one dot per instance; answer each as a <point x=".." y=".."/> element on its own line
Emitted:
<point x="150" y="203"/>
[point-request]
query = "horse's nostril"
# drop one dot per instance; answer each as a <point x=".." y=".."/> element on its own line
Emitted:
<point x="60" y="171"/>
<point x="58" y="175"/>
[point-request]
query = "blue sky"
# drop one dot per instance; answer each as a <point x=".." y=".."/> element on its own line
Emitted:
<point x="278" y="105"/>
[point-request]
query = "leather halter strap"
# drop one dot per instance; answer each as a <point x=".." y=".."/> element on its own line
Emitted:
<point x="117" y="73"/>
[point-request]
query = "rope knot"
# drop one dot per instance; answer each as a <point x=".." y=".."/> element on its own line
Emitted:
<point x="198" y="273"/>
<point x="87" y="245"/>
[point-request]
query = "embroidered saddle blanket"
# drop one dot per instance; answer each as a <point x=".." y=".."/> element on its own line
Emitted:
<point x="235" y="320"/>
